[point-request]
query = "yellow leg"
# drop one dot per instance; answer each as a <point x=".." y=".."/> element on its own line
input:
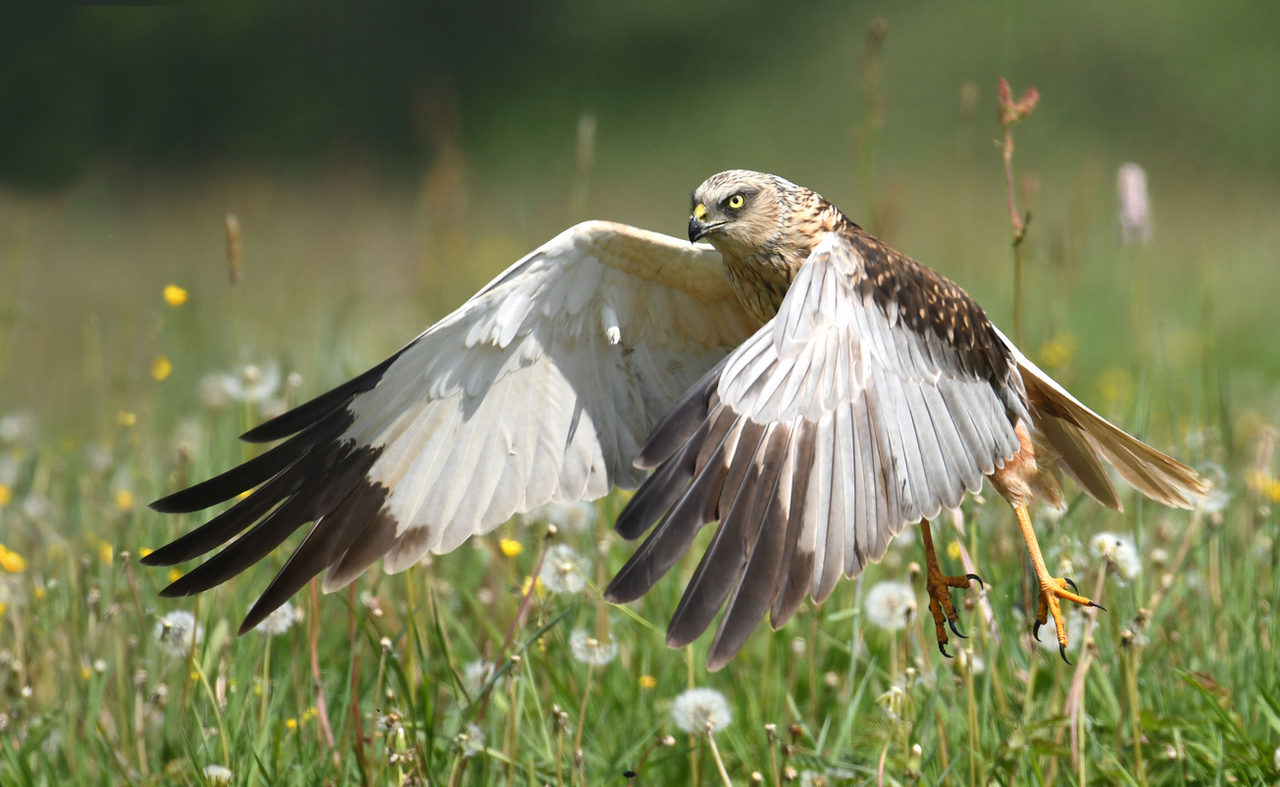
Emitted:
<point x="1053" y="590"/>
<point x="939" y="586"/>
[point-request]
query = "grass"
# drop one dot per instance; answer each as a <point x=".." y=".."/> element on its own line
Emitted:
<point x="462" y="671"/>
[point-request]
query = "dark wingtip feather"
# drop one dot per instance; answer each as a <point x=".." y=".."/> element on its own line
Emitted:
<point x="255" y="471"/>
<point x="328" y="540"/>
<point x="322" y="406"/>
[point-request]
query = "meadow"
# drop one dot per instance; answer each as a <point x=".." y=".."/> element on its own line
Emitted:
<point x="139" y="335"/>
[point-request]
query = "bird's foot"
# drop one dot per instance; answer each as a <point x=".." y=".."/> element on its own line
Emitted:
<point x="1053" y="591"/>
<point x="940" y="605"/>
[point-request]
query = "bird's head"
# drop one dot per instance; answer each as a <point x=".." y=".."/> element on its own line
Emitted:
<point x="740" y="212"/>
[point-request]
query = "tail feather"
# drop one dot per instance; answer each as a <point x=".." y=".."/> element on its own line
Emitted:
<point x="1080" y="436"/>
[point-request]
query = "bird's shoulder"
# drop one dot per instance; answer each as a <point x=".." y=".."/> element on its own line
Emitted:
<point x="927" y="302"/>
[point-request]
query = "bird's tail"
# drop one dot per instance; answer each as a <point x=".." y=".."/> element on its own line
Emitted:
<point x="1082" y="439"/>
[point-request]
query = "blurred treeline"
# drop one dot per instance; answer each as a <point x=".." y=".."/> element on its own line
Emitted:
<point x="298" y="85"/>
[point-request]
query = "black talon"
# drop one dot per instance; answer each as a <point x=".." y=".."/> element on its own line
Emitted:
<point x="977" y="579"/>
<point x="1035" y="631"/>
<point x="955" y="630"/>
<point x="1074" y="589"/>
<point x="942" y="648"/>
<point x="1062" y="651"/>
<point x="1099" y="606"/>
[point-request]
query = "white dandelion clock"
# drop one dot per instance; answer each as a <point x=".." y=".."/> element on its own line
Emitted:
<point x="576" y="516"/>
<point x="564" y="570"/>
<point x="890" y="605"/>
<point x="218" y="774"/>
<point x="1120" y="553"/>
<point x="280" y="620"/>
<point x="700" y="711"/>
<point x="591" y="650"/>
<point x="475" y="675"/>
<point x="178" y="632"/>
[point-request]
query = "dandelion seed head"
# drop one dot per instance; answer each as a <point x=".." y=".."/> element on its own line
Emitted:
<point x="564" y="570"/>
<point x="1120" y="553"/>
<point x="18" y="428"/>
<point x="890" y="605"/>
<point x="257" y="383"/>
<point x="218" y="774"/>
<point x="591" y="650"/>
<point x="701" y="711"/>
<point x="574" y="516"/>
<point x="280" y="620"/>
<point x="1074" y="622"/>
<point x="475" y="675"/>
<point x="471" y="740"/>
<point x="178" y="632"/>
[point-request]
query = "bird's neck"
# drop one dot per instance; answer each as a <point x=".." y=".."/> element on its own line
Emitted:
<point x="762" y="275"/>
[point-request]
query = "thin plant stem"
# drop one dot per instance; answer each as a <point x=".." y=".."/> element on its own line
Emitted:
<point x="715" y="753"/>
<point x="582" y="710"/>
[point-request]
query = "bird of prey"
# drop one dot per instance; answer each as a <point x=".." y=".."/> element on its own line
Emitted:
<point x="797" y="381"/>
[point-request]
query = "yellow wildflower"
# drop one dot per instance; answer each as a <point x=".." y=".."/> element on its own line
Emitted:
<point x="953" y="550"/>
<point x="291" y="723"/>
<point x="6" y="495"/>
<point x="124" y="500"/>
<point x="648" y="682"/>
<point x="106" y="552"/>
<point x="1058" y="351"/>
<point x="536" y="583"/>
<point x="310" y="713"/>
<point x="86" y="673"/>
<point x="161" y="367"/>
<point x="174" y="295"/>
<point x="174" y="575"/>
<point x="11" y="561"/>
<point x="510" y="547"/>
<point x="1115" y="385"/>
<point x="126" y="419"/>
<point x="144" y="551"/>
<point x="2" y="607"/>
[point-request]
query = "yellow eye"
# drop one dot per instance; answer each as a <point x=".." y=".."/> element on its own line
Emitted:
<point x="737" y="201"/>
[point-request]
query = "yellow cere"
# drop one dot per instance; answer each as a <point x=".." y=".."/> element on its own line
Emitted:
<point x="174" y="295"/>
<point x="700" y="211"/>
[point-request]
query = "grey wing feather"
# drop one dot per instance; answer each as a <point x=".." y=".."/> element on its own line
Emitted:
<point x="874" y="426"/>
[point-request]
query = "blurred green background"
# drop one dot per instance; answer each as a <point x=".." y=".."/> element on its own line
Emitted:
<point x="384" y="161"/>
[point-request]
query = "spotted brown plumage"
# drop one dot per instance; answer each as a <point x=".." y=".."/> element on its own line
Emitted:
<point x="802" y="384"/>
<point x="877" y="394"/>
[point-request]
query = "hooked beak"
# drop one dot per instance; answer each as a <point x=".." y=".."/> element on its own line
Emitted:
<point x="697" y="229"/>
<point x="698" y="226"/>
